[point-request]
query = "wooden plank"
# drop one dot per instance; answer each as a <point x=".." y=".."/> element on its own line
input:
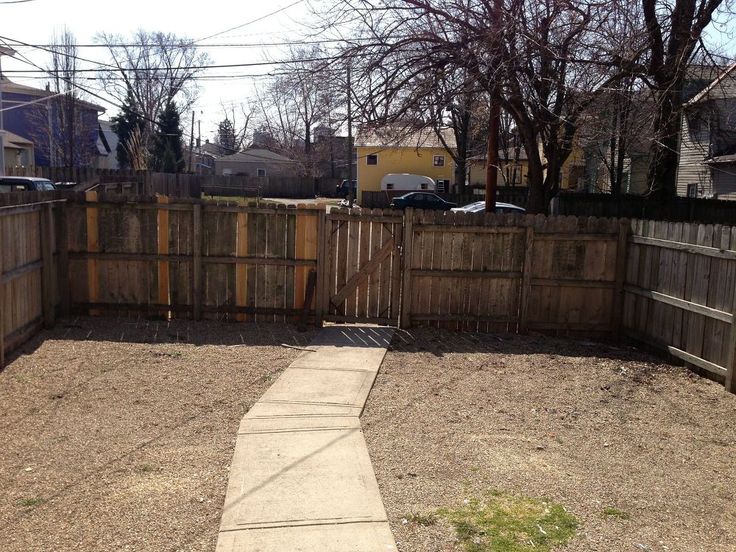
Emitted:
<point x="197" y="295"/>
<point x="62" y="245"/>
<point x="3" y="311"/>
<point x="22" y="270"/>
<point x="573" y="283"/>
<point x="621" y="258"/>
<point x="472" y="229"/>
<point x="688" y="247"/>
<point x="526" y="283"/>
<point x="362" y="275"/>
<point x="364" y="255"/>
<point x="405" y="316"/>
<point x="321" y="267"/>
<point x="93" y="246"/>
<point x="47" y="255"/>
<point x="241" y="270"/>
<point x="680" y="303"/>
<point x="394" y="271"/>
<point x="435" y="273"/>
<point x="564" y="236"/>
<point x="459" y="317"/>
<point x="731" y="358"/>
<point x="162" y="219"/>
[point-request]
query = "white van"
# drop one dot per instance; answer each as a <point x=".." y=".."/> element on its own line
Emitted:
<point x="407" y="183"/>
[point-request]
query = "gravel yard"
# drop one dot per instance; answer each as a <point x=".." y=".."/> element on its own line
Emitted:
<point x="641" y="452"/>
<point x="117" y="434"/>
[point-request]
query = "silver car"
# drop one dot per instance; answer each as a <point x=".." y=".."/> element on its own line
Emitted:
<point x="480" y="206"/>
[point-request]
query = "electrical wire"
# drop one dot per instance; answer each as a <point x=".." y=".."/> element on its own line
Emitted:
<point x="275" y="12"/>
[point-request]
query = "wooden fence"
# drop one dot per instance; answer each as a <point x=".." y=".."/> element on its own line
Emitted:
<point x="681" y="209"/>
<point x="667" y="284"/>
<point x="30" y="279"/>
<point x="513" y="273"/>
<point x="680" y="293"/>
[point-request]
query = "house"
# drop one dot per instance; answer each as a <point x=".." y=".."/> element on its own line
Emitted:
<point x="390" y="150"/>
<point x="256" y="162"/>
<point x="35" y="115"/>
<point x="513" y="169"/>
<point x="18" y="152"/>
<point x="707" y="144"/>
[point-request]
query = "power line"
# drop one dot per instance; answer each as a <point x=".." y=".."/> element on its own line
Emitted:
<point x="275" y="12"/>
<point x="204" y="46"/>
<point x="16" y="1"/>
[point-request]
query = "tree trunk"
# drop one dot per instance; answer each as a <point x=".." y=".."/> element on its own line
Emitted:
<point x="662" y="176"/>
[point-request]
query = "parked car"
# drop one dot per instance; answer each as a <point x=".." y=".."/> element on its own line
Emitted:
<point x="422" y="200"/>
<point x="480" y="206"/>
<point x="25" y="184"/>
<point x="343" y="190"/>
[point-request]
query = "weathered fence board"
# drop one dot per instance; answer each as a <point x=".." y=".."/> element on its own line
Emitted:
<point x="680" y="291"/>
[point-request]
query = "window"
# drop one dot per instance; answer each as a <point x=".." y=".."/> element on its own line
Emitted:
<point x="371" y="159"/>
<point x="443" y="186"/>
<point x="261" y="172"/>
<point x="438" y="161"/>
<point x="692" y="190"/>
<point x="389" y="185"/>
<point x="423" y="185"/>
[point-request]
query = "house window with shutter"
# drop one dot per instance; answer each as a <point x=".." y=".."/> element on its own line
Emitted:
<point x="438" y="161"/>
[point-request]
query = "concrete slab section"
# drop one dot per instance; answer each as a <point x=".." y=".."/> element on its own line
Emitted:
<point x="342" y="358"/>
<point x="306" y="385"/>
<point x="351" y="537"/>
<point x="301" y="478"/>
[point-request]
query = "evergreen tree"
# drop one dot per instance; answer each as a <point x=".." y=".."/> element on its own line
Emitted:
<point x="125" y="124"/>
<point x="226" y="136"/>
<point x="167" y="145"/>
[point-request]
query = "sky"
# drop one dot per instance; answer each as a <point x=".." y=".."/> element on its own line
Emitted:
<point x="36" y="21"/>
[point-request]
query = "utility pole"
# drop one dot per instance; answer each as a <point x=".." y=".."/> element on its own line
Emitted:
<point x="191" y="145"/>
<point x="351" y="196"/>
<point x="494" y="122"/>
<point x="199" y="142"/>
<point x="494" y="125"/>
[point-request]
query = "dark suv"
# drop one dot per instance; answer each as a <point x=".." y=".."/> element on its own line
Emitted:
<point x="343" y="190"/>
<point x="422" y="200"/>
<point x="25" y="184"/>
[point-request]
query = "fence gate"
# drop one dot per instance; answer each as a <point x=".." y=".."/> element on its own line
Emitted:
<point x="363" y="280"/>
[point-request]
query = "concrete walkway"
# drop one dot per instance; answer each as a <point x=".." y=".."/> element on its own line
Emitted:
<point x="301" y="479"/>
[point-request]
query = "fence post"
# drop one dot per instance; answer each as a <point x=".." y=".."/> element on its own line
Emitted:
<point x="241" y="270"/>
<point x="47" y="269"/>
<point x="163" y="249"/>
<point x="621" y="259"/>
<point x="321" y="267"/>
<point x="62" y="246"/>
<point x="93" y="246"/>
<point x="405" y="318"/>
<point x="731" y="363"/>
<point x="526" y="279"/>
<point x="197" y="261"/>
<point x="2" y="301"/>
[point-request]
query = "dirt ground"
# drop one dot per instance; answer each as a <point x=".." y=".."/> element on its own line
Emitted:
<point x="643" y="453"/>
<point x="117" y="434"/>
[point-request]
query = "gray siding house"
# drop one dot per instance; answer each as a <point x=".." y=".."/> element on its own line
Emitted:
<point x="707" y="150"/>
<point x="256" y="162"/>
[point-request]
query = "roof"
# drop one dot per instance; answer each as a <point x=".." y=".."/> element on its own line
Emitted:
<point x="706" y="92"/>
<point x="16" y="141"/>
<point x="256" y="156"/>
<point x="399" y="137"/>
<point x="10" y="87"/>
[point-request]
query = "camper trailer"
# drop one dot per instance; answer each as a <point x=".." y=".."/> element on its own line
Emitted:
<point x="407" y="183"/>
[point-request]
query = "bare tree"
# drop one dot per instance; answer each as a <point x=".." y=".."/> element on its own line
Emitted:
<point x="153" y="69"/>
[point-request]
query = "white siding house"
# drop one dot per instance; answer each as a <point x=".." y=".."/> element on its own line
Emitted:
<point x="707" y="149"/>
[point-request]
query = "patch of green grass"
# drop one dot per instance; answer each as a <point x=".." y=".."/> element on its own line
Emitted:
<point x="424" y="520"/>
<point x="146" y="468"/>
<point x="502" y="522"/>
<point x="615" y="513"/>
<point x="32" y="502"/>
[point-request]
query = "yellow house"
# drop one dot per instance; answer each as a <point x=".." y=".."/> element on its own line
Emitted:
<point x="393" y="150"/>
